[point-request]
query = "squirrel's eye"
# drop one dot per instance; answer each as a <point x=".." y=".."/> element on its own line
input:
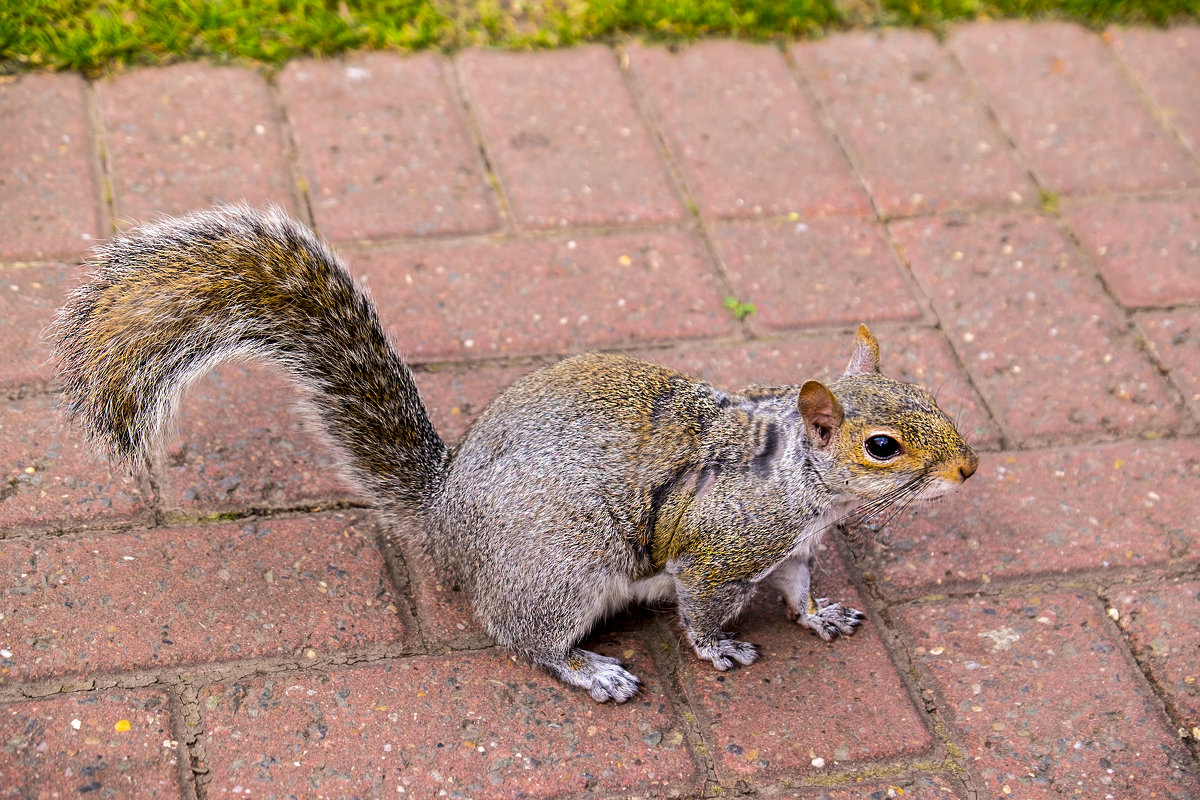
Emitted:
<point x="881" y="448"/>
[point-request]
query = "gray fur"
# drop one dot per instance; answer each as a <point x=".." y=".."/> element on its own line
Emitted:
<point x="589" y="484"/>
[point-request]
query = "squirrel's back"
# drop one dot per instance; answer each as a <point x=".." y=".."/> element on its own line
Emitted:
<point x="170" y="300"/>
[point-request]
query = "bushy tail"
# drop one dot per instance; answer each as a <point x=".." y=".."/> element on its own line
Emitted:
<point x="172" y="299"/>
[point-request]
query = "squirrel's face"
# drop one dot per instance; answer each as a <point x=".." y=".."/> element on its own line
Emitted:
<point x="894" y="442"/>
<point x="887" y="441"/>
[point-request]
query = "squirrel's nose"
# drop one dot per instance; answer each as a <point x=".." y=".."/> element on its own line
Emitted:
<point x="968" y="469"/>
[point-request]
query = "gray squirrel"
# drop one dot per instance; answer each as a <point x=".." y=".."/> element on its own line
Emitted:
<point x="589" y="484"/>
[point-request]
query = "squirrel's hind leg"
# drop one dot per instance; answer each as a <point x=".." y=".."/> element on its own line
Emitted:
<point x="600" y="676"/>
<point x="543" y="617"/>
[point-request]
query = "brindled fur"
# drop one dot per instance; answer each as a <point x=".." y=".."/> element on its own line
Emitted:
<point x="170" y="300"/>
<point x="586" y="485"/>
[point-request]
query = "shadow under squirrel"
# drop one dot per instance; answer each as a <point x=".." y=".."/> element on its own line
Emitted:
<point x="586" y="485"/>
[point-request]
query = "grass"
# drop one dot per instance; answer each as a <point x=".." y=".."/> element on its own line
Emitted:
<point x="1096" y="13"/>
<point x="98" y="35"/>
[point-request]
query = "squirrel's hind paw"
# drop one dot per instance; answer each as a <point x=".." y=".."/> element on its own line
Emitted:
<point x="724" y="652"/>
<point x="830" y="619"/>
<point x="600" y="676"/>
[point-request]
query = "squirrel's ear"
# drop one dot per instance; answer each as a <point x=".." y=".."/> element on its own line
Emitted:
<point x="866" y="354"/>
<point x="821" y="411"/>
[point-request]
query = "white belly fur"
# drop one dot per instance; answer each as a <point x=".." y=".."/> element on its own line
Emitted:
<point x="620" y="592"/>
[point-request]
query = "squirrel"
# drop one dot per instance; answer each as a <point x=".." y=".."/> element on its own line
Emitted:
<point x="588" y="484"/>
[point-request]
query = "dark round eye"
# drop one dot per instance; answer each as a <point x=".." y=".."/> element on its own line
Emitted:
<point x="881" y="447"/>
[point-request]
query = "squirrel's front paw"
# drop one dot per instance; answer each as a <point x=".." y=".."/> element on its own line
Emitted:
<point x="723" y="652"/>
<point x="830" y="619"/>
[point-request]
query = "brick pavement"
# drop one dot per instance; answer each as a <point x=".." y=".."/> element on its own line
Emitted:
<point x="1015" y="210"/>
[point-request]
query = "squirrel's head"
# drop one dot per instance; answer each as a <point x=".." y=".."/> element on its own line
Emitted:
<point x="887" y="441"/>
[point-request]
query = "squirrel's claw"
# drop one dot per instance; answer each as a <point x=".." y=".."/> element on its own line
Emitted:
<point x="613" y="682"/>
<point x="600" y="676"/>
<point x="724" y="652"/>
<point x="831" y="619"/>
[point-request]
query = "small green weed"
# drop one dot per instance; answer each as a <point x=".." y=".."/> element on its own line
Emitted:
<point x="1048" y="201"/>
<point x="739" y="309"/>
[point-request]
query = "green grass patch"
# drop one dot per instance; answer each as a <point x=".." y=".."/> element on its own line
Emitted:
<point x="90" y="35"/>
<point x="1096" y="13"/>
<point x="96" y="35"/>
<point x="93" y="35"/>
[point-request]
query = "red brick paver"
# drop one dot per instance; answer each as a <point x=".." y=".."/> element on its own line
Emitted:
<point x="1060" y="94"/>
<point x="1032" y="513"/>
<point x="241" y="446"/>
<point x="1167" y="65"/>
<point x="914" y="128"/>
<point x="767" y="720"/>
<point x="1164" y="627"/>
<point x="231" y="623"/>
<point x="567" y="140"/>
<point x="998" y="662"/>
<point x="53" y="479"/>
<point x="147" y="599"/>
<point x="192" y="135"/>
<point x="542" y="296"/>
<point x="116" y="743"/>
<point x="49" y="199"/>
<point x="472" y="724"/>
<point x="755" y="147"/>
<point x="1175" y="337"/>
<point x="822" y="272"/>
<point x="1148" y="253"/>
<point x="384" y="147"/>
<point x="28" y="298"/>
